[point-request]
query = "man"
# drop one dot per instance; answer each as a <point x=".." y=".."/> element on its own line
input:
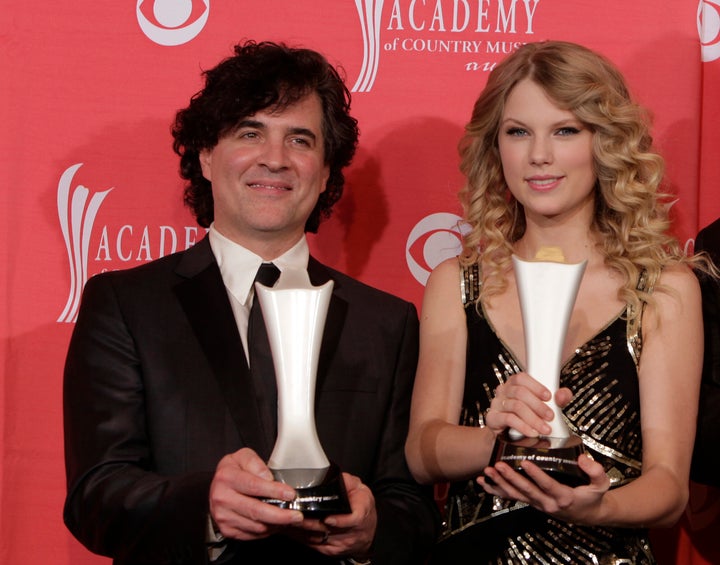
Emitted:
<point x="167" y="430"/>
<point x="706" y="453"/>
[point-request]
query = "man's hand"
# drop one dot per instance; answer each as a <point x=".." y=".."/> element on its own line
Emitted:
<point x="241" y="480"/>
<point x="344" y="534"/>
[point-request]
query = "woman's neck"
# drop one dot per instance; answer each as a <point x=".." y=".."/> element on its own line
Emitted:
<point x="576" y="243"/>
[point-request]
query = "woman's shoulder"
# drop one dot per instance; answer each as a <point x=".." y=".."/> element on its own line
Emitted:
<point x="679" y="277"/>
<point x="446" y="270"/>
<point x="444" y="286"/>
<point x="676" y="297"/>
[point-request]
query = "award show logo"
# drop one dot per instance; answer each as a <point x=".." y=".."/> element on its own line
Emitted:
<point x="77" y="217"/>
<point x="172" y="22"/>
<point x="708" y="24"/>
<point x="433" y="239"/>
<point x="478" y="32"/>
<point x="370" y="12"/>
<point x="92" y="249"/>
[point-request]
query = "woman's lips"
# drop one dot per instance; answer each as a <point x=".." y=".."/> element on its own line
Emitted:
<point x="543" y="183"/>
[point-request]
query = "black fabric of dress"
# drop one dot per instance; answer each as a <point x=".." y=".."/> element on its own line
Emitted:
<point x="604" y="412"/>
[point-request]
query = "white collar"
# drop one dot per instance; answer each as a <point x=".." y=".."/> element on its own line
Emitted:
<point x="238" y="265"/>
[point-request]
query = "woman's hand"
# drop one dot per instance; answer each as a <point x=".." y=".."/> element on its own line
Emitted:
<point x="520" y="403"/>
<point x="581" y="504"/>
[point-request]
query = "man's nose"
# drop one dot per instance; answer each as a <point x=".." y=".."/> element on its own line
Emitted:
<point x="273" y="154"/>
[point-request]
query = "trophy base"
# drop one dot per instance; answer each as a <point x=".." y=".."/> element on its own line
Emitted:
<point x="555" y="456"/>
<point x="320" y="492"/>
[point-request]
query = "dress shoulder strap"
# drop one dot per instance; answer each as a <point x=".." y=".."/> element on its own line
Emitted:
<point x="469" y="284"/>
<point x="634" y="328"/>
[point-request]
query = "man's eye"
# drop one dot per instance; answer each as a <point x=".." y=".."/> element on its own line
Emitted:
<point x="246" y="134"/>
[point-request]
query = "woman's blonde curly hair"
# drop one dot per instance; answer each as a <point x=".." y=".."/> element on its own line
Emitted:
<point x="631" y="213"/>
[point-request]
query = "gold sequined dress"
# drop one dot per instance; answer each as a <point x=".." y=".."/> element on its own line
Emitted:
<point x="604" y="412"/>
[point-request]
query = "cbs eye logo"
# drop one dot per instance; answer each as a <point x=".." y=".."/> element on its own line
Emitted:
<point x="433" y="239"/>
<point x="172" y="22"/>
<point x="708" y="24"/>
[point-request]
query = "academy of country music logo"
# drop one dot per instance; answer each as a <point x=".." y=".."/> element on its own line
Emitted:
<point x="78" y="207"/>
<point x="466" y="28"/>
<point x="433" y="239"/>
<point x="77" y="216"/>
<point x="476" y="31"/>
<point x="172" y="22"/>
<point x="708" y="24"/>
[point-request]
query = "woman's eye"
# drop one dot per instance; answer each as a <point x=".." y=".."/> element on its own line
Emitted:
<point x="569" y="130"/>
<point x="516" y="132"/>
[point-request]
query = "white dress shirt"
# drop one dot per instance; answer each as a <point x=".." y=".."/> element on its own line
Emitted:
<point x="238" y="267"/>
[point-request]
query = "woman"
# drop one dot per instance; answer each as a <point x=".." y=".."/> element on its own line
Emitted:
<point x="557" y="154"/>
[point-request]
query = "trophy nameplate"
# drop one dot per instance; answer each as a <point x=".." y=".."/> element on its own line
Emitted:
<point x="547" y="291"/>
<point x="294" y="312"/>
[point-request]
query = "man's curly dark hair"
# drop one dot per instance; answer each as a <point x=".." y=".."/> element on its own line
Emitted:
<point x="261" y="76"/>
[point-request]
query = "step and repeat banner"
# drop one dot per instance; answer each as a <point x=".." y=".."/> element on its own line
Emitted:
<point x="89" y="180"/>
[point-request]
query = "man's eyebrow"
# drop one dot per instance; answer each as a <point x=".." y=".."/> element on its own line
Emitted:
<point x="257" y="124"/>
<point x="249" y="123"/>
<point x="303" y="131"/>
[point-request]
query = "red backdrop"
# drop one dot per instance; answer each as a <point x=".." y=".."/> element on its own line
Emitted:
<point x="90" y="183"/>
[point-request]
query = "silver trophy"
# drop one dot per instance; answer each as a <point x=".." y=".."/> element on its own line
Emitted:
<point x="547" y="290"/>
<point x="295" y="313"/>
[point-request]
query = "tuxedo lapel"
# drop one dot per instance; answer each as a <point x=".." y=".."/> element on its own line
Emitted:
<point x="204" y="299"/>
<point x="337" y="312"/>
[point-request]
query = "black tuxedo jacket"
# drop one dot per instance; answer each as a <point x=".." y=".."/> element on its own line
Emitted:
<point x="157" y="391"/>
<point x="706" y="453"/>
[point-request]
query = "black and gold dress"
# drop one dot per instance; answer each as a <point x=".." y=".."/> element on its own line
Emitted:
<point x="605" y="412"/>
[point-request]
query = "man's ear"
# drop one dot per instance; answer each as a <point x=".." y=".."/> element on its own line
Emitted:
<point x="326" y="177"/>
<point x="205" y="163"/>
